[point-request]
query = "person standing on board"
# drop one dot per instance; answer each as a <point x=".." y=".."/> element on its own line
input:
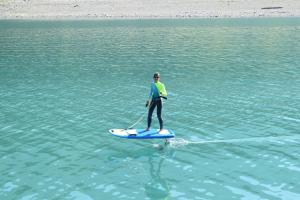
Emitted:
<point x="157" y="92"/>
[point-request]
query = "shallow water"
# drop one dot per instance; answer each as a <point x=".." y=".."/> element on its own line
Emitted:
<point x="234" y="92"/>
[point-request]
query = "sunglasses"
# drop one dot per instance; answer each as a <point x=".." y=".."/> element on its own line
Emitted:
<point x="156" y="77"/>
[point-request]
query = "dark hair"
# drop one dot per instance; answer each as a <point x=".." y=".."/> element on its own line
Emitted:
<point x="156" y="74"/>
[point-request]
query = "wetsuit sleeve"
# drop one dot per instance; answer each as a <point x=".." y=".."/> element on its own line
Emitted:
<point x="164" y="91"/>
<point x="151" y="92"/>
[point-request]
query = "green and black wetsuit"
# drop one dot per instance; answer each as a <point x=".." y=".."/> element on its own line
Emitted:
<point x="158" y="91"/>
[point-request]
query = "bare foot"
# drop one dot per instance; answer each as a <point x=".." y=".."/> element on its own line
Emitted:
<point x="161" y="131"/>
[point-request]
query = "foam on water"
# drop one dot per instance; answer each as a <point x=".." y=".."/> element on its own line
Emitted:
<point x="179" y="142"/>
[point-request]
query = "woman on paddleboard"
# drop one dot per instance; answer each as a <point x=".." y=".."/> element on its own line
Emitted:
<point x="157" y="92"/>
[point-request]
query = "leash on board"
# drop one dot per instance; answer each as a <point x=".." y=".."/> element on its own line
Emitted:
<point x="143" y="115"/>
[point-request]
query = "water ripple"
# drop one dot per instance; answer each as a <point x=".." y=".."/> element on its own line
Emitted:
<point x="233" y="102"/>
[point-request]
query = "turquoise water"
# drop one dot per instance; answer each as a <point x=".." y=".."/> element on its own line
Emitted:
<point x="234" y="93"/>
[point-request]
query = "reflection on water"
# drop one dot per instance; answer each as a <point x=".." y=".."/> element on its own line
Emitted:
<point x="158" y="186"/>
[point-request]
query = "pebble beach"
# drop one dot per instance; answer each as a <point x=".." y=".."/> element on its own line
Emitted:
<point x="140" y="9"/>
